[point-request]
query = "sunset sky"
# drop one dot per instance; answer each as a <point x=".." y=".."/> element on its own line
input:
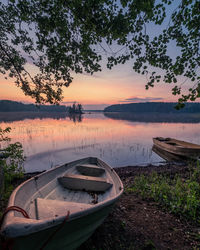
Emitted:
<point x="119" y="85"/>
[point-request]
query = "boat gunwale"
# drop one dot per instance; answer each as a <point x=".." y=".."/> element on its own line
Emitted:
<point x="179" y="149"/>
<point x="179" y="142"/>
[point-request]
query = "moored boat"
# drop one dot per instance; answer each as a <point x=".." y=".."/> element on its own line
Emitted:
<point x="60" y="208"/>
<point x="169" y="157"/>
<point x="177" y="147"/>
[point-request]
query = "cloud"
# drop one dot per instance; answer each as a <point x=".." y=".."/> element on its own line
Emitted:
<point x="142" y="99"/>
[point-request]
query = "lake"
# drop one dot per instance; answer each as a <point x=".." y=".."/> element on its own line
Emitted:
<point x="51" y="141"/>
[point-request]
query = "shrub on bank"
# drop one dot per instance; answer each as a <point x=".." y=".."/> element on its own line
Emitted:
<point x="179" y="195"/>
<point x="11" y="164"/>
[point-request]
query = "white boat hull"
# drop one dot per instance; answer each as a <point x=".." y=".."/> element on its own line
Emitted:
<point x="47" y="224"/>
<point x="70" y="236"/>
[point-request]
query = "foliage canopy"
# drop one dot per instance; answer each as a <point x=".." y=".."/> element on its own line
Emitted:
<point x="60" y="37"/>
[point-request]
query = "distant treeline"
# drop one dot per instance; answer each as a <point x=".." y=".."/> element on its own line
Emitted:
<point x="11" y="106"/>
<point x="148" y="107"/>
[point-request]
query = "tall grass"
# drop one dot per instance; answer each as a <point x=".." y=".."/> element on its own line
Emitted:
<point x="179" y="195"/>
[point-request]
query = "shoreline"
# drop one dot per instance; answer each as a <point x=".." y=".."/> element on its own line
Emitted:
<point x="162" y="166"/>
<point x="136" y="223"/>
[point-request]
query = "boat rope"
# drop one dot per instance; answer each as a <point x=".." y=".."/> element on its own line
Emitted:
<point x="14" y="208"/>
<point x="7" y="244"/>
<point x="53" y="234"/>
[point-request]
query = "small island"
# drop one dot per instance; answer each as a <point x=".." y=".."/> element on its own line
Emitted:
<point x="75" y="109"/>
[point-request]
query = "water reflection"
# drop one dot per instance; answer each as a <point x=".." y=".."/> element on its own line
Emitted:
<point x="49" y="142"/>
<point x="20" y="116"/>
<point x="76" y="117"/>
<point x="154" y="117"/>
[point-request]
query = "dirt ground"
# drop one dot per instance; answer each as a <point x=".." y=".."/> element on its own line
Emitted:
<point x="140" y="224"/>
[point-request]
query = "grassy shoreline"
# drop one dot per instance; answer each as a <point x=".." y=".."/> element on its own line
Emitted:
<point x="141" y="220"/>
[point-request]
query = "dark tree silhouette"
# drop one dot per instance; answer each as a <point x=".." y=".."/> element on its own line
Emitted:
<point x="75" y="109"/>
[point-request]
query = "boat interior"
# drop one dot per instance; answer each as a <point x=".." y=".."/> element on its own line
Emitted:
<point x="75" y="189"/>
<point x="178" y="143"/>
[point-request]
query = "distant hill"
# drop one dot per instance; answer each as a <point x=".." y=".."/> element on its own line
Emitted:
<point x="149" y="107"/>
<point x="12" y="106"/>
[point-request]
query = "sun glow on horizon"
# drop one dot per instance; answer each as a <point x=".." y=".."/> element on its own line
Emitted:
<point x="101" y="89"/>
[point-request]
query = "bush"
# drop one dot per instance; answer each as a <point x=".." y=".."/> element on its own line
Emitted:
<point x="180" y="196"/>
<point x="11" y="160"/>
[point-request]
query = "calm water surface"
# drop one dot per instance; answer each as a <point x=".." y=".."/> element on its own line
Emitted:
<point x="49" y="142"/>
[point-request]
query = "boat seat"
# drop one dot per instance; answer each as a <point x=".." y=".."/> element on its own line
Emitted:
<point x="85" y="183"/>
<point x="45" y="208"/>
<point x="90" y="169"/>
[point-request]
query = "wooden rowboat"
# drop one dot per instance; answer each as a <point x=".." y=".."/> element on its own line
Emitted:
<point x="177" y="147"/>
<point x="64" y="205"/>
<point x="169" y="157"/>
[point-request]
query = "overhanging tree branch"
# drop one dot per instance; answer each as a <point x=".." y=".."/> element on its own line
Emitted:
<point x="63" y="36"/>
